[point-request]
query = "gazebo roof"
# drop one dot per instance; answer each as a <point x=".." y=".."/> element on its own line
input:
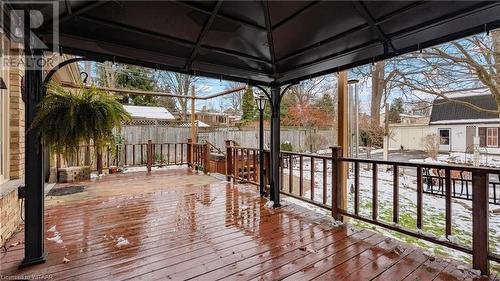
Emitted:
<point x="262" y="42"/>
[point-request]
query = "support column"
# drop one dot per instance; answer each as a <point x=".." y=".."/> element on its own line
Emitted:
<point x="343" y="137"/>
<point x="275" y="146"/>
<point x="34" y="252"/>
<point x="261" y="153"/>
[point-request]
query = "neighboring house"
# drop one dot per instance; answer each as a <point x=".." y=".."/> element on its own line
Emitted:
<point x="457" y="124"/>
<point x="413" y="119"/>
<point x="148" y="115"/>
<point x="216" y="119"/>
<point x="12" y="129"/>
<point x="458" y="127"/>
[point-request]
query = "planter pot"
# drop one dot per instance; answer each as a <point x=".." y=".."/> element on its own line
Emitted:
<point x="113" y="170"/>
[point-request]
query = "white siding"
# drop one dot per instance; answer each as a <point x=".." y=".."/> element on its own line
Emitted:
<point x="411" y="136"/>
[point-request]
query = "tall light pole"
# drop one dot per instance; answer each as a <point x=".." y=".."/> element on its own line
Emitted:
<point x="261" y="105"/>
<point x="353" y="85"/>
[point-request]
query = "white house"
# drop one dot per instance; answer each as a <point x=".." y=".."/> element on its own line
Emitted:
<point x="457" y="125"/>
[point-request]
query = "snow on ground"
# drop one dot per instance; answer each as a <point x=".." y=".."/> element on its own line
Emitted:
<point x="120" y="241"/>
<point x="433" y="206"/>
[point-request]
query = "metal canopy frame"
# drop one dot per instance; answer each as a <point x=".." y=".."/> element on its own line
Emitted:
<point x="222" y="40"/>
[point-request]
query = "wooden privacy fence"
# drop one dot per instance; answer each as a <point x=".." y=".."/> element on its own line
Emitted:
<point x="325" y="185"/>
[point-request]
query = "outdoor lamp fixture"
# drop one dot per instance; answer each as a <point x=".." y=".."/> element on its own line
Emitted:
<point x="261" y="102"/>
<point x="261" y="105"/>
<point x="3" y="86"/>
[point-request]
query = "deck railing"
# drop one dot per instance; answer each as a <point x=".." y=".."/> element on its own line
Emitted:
<point x="242" y="164"/>
<point x="139" y="154"/>
<point x="332" y="170"/>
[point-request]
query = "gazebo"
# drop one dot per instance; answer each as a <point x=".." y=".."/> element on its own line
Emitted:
<point x="267" y="44"/>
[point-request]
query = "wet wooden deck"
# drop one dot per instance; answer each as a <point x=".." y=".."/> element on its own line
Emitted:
<point x="176" y="225"/>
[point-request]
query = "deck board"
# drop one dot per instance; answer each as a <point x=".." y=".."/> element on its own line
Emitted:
<point x="183" y="225"/>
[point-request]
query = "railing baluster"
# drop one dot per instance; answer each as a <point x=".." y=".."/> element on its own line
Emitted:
<point x="108" y="155"/>
<point x="133" y="154"/>
<point x="117" y="157"/>
<point x="356" y="188"/>
<point x="125" y="155"/>
<point x="395" y="194"/>
<point x="375" y="191"/>
<point x="248" y="164"/>
<point x="182" y="153"/>
<point x="324" y="180"/>
<point x="161" y="153"/>
<point x="255" y="170"/>
<point x="312" y="178"/>
<point x="168" y="153"/>
<point x="236" y="166"/>
<point x="229" y="160"/>
<point x="142" y="154"/>
<point x="290" y="176"/>
<point x="419" y="197"/>
<point x="448" y="201"/>
<point x="281" y="173"/>
<point x="301" y="177"/>
<point x="175" y="154"/>
<point x="149" y="151"/>
<point x="336" y="182"/>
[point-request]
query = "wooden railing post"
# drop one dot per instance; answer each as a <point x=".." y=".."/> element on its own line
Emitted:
<point x="189" y="152"/>
<point x="99" y="162"/>
<point x="149" y="155"/>
<point x="336" y="182"/>
<point x="480" y="222"/>
<point x="267" y="170"/>
<point x="229" y="160"/>
<point x="206" y="158"/>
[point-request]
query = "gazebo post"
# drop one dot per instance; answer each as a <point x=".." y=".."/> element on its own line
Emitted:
<point x="275" y="146"/>
<point x="343" y="139"/>
<point x="34" y="252"/>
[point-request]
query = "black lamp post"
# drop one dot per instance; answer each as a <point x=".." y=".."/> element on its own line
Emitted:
<point x="261" y="105"/>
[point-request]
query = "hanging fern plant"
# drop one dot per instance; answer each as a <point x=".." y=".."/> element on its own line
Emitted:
<point x="68" y="118"/>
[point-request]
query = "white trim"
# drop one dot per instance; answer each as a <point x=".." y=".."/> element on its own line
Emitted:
<point x="487" y="136"/>
<point x="466" y="121"/>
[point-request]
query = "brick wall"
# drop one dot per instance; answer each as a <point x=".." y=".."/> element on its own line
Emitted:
<point x="16" y="113"/>
<point x="10" y="216"/>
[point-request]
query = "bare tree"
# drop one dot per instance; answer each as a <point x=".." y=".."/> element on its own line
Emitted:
<point x="309" y="90"/>
<point x="179" y="84"/>
<point x="236" y="99"/>
<point x="431" y="145"/>
<point x="382" y="74"/>
<point x="466" y="65"/>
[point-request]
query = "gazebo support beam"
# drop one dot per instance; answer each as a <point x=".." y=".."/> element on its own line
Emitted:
<point x="275" y="103"/>
<point x="274" y="192"/>
<point x="34" y="251"/>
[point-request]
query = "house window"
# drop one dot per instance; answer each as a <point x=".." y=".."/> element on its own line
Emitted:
<point x="492" y="137"/>
<point x="444" y="137"/>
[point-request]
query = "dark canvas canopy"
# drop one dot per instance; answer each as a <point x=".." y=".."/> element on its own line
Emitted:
<point x="262" y="41"/>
